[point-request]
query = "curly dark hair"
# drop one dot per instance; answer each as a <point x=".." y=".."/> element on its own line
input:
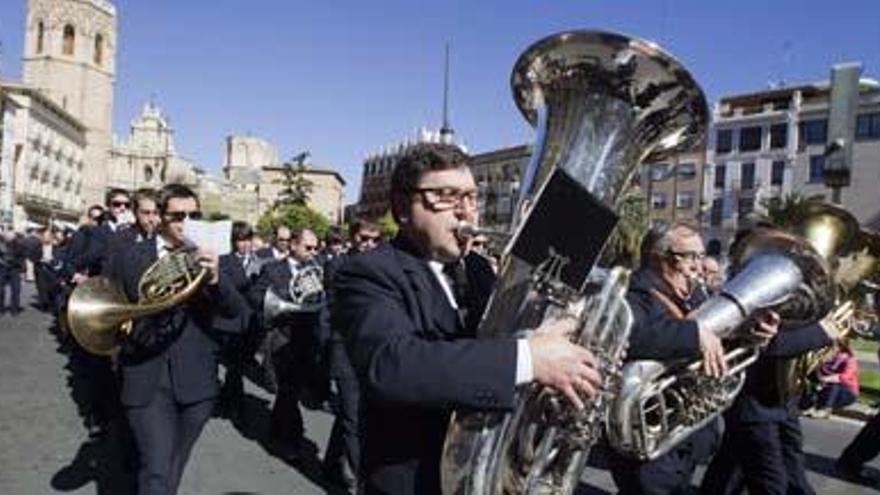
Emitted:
<point x="415" y="161"/>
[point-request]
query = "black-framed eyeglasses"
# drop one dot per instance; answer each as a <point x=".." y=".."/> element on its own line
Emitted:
<point x="282" y="239"/>
<point x="688" y="255"/>
<point x="120" y="203"/>
<point x="447" y="198"/>
<point x="179" y="216"/>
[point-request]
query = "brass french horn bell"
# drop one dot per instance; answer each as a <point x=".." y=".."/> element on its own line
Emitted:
<point x="99" y="314"/>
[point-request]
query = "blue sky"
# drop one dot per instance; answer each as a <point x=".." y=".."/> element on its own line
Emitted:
<point x="343" y="78"/>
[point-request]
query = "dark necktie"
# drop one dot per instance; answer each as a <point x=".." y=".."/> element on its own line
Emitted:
<point x="458" y="278"/>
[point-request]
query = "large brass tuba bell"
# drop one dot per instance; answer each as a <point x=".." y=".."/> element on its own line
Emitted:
<point x="99" y="314"/>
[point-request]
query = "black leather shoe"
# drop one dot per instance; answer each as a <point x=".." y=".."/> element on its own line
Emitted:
<point x="855" y="474"/>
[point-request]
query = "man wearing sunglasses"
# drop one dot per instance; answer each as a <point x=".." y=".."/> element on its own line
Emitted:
<point x="291" y="344"/>
<point x="410" y="347"/>
<point x="168" y="362"/>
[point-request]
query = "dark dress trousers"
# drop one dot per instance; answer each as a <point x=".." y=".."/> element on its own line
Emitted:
<point x="763" y="421"/>
<point x="415" y="361"/>
<point x="237" y="347"/>
<point x="169" y="370"/>
<point x="659" y="334"/>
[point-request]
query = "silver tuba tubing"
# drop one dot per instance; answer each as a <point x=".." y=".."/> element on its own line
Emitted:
<point x="601" y="103"/>
<point x="661" y="404"/>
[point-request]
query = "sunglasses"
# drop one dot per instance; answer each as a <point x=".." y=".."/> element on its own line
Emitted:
<point x="179" y="216"/>
<point x="118" y="204"/>
<point x="310" y="247"/>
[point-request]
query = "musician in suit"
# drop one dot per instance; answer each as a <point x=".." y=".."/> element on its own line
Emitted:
<point x="293" y="341"/>
<point x="146" y="221"/>
<point x="407" y="341"/>
<point x="168" y="362"/>
<point x="343" y="450"/>
<point x="661" y="295"/>
<point x="90" y="260"/>
<point x="764" y="419"/>
<point x="280" y="245"/>
<point x="237" y="348"/>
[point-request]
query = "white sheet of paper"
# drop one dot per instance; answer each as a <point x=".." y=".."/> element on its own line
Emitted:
<point x="215" y="236"/>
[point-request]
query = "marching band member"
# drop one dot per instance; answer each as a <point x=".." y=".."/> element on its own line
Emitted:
<point x="408" y="344"/>
<point x="168" y="362"/>
<point x="292" y="340"/>
<point x="661" y="295"/>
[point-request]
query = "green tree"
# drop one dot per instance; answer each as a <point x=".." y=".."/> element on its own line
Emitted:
<point x="295" y="216"/>
<point x="295" y="187"/>
<point x="388" y="225"/>
<point x="790" y="209"/>
<point x="622" y="247"/>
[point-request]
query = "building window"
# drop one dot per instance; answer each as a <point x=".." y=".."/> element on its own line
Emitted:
<point x="778" y="136"/>
<point x="717" y="212"/>
<point x="781" y="105"/>
<point x="724" y="141"/>
<point x="99" y="49"/>
<point x="814" y="131"/>
<point x="687" y="171"/>
<point x="750" y="139"/>
<point x="720" y="176"/>
<point x="659" y="171"/>
<point x="746" y="206"/>
<point x="658" y="200"/>
<point x="747" y="176"/>
<point x="684" y="200"/>
<point x="41" y="35"/>
<point x="817" y="165"/>
<point x="148" y="174"/>
<point x="69" y="40"/>
<point x="777" y="173"/>
<point x="868" y="126"/>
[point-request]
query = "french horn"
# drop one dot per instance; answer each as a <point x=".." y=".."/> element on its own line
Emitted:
<point x="99" y="314"/>
<point x="601" y="103"/>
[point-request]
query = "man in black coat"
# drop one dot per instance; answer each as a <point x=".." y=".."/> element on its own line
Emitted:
<point x="763" y="420"/>
<point x="293" y="339"/>
<point x="405" y="336"/>
<point x="342" y="458"/>
<point x="661" y="295"/>
<point x="168" y="363"/>
<point x="237" y="347"/>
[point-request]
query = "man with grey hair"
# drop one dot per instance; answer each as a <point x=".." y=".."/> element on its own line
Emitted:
<point x="661" y="295"/>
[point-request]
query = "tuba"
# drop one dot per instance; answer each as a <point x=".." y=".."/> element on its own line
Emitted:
<point x="662" y="404"/>
<point x="601" y="104"/>
<point x="99" y="314"/>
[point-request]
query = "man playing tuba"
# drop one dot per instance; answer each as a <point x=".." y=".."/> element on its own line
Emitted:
<point x="410" y="347"/>
<point x="661" y="296"/>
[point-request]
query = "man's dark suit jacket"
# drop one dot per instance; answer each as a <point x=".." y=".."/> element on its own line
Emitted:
<point x="233" y="271"/>
<point x="656" y="333"/>
<point x="766" y="395"/>
<point x="415" y="361"/>
<point x="180" y="338"/>
<point x="277" y="275"/>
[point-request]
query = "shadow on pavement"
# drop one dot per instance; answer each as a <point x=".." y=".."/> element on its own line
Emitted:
<point x="97" y="461"/>
<point x="254" y="423"/>
<point x="825" y="466"/>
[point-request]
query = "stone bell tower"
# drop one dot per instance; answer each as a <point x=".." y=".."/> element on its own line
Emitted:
<point x="70" y="56"/>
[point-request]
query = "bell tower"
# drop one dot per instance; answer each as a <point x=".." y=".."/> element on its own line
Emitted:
<point x="70" y="56"/>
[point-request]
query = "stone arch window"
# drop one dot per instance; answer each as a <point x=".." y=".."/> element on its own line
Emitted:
<point x="41" y="36"/>
<point x="68" y="40"/>
<point x="99" y="49"/>
<point x="148" y="174"/>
